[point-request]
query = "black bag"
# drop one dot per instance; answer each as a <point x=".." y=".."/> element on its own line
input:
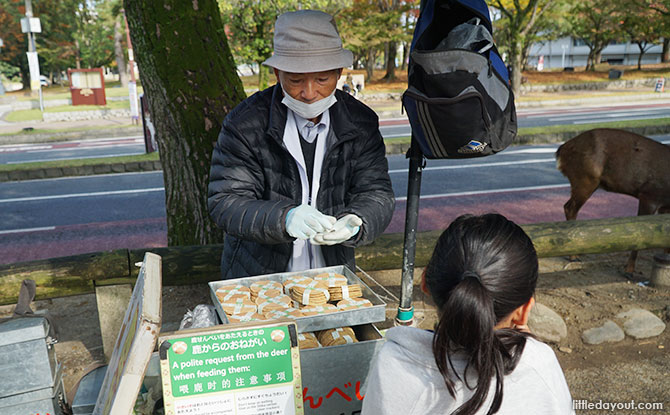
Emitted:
<point x="458" y="101"/>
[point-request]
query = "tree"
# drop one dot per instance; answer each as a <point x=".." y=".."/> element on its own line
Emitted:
<point x="597" y="23"/>
<point x="642" y="26"/>
<point x="522" y="16"/>
<point x="549" y="25"/>
<point x="362" y="29"/>
<point x="190" y="81"/>
<point x="250" y="26"/>
<point x="366" y="27"/>
<point x="14" y="50"/>
<point x="394" y="12"/>
<point x="662" y="9"/>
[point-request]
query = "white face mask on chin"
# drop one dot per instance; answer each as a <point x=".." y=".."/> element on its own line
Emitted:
<point x="309" y="111"/>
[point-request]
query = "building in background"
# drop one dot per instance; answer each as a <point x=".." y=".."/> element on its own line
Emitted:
<point x="570" y="52"/>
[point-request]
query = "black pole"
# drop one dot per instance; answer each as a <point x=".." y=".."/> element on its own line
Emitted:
<point x="405" y="309"/>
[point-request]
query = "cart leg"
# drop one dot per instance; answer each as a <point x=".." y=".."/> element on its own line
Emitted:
<point x="405" y="315"/>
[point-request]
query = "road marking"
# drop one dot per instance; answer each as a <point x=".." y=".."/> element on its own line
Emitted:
<point x="485" y="192"/>
<point x="479" y="165"/>
<point x="542" y="150"/>
<point x="74" y="195"/>
<point x="45" y="228"/>
<point x="613" y="112"/>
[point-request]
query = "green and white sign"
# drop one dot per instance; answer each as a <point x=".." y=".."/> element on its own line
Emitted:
<point x="233" y="370"/>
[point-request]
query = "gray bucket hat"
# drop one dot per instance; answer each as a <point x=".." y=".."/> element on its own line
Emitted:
<point x="308" y="41"/>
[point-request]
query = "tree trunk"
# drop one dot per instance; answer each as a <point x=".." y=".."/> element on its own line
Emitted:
<point x="516" y="59"/>
<point x="598" y="56"/>
<point x="590" y="61"/>
<point x="118" y="53"/>
<point x="25" y="76"/>
<point x="77" y="54"/>
<point x="639" y="57"/>
<point x="665" y="57"/>
<point x="370" y="65"/>
<point x="405" y="55"/>
<point x="391" y="54"/>
<point x="262" y="76"/>
<point x="191" y="83"/>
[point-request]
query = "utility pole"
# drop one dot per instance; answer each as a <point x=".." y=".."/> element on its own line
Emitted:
<point x="2" y="87"/>
<point x="32" y="25"/>
<point x="132" y="85"/>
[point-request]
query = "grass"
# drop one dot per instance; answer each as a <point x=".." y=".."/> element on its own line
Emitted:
<point x="555" y="129"/>
<point x="79" y="162"/>
<point x="567" y="128"/>
<point x="36" y="114"/>
<point x="24" y="115"/>
<point x="112" y="89"/>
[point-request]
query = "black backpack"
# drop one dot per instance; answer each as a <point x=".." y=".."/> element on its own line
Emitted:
<point x="458" y="101"/>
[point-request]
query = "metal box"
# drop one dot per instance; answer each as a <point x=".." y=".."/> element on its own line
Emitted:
<point x="321" y="322"/>
<point x="333" y="378"/>
<point x="28" y="360"/>
<point x="83" y="402"/>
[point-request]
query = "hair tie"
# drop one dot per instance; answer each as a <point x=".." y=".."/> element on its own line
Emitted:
<point x="472" y="274"/>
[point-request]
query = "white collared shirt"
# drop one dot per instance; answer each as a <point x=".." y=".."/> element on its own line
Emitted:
<point x="305" y="255"/>
<point x="308" y="130"/>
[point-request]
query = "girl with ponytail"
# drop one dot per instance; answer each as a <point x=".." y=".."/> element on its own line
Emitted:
<point x="481" y="358"/>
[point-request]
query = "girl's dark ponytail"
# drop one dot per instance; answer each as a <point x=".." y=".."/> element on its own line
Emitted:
<point x="472" y="299"/>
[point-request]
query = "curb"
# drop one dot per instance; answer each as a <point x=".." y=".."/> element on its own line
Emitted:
<point x="56" y="172"/>
<point x="69" y="135"/>
<point x="391" y="149"/>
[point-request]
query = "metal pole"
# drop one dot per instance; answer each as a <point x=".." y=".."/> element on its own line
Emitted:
<point x="405" y="315"/>
<point x="31" y="48"/>
<point x="131" y="59"/>
<point x="132" y="85"/>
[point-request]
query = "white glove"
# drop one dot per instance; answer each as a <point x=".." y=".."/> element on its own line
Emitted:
<point x="303" y="222"/>
<point x="344" y="229"/>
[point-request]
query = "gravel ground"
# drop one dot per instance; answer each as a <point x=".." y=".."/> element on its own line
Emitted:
<point x="584" y="293"/>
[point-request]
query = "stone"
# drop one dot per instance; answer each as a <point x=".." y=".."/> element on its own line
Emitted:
<point x="641" y="324"/>
<point x="112" y="303"/>
<point x="608" y="332"/>
<point x="546" y="324"/>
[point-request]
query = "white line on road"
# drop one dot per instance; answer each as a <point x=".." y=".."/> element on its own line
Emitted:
<point x="479" y="165"/>
<point x="608" y="116"/>
<point x="613" y="112"/>
<point x="485" y="192"/>
<point x="73" y="195"/>
<point x="540" y="150"/>
<point x="45" y="228"/>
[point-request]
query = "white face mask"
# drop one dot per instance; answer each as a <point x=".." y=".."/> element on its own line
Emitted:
<point x="309" y="111"/>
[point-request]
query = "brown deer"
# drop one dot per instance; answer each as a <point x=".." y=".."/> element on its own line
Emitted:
<point x="617" y="161"/>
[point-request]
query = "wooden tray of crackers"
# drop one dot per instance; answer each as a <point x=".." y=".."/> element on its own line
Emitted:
<point x="317" y="299"/>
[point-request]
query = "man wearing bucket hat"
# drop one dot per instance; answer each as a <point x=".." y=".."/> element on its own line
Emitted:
<point x="299" y="175"/>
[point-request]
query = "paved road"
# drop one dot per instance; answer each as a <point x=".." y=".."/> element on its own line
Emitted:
<point x="109" y="147"/>
<point x="559" y="116"/>
<point x="58" y="217"/>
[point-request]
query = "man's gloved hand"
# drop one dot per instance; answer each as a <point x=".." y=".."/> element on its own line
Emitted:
<point x="304" y="221"/>
<point x="344" y="229"/>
